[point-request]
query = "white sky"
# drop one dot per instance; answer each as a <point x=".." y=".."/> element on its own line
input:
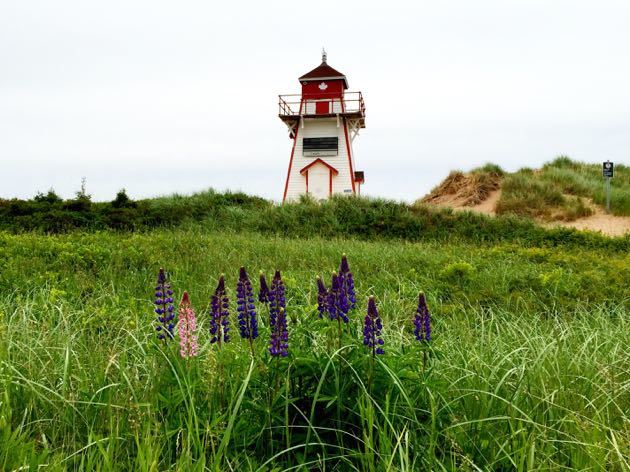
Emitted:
<point x="179" y="96"/>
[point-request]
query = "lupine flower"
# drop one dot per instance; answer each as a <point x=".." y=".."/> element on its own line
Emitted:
<point x="372" y="327"/>
<point x="187" y="328"/>
<point x="347" y="281"/>
<point x="322" y="297"/>
<point x="276" y="297"/>
<point x="219" y="314"/>
<point x="263" y="294"/>
<point x="337" y="301"/>
<point x="247" y="320"/>
<point x="422" y="320"/>
<point x="164" y="307"/>
<point x="279" y="341"/>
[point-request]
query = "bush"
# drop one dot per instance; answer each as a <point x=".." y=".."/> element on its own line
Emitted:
<point x="50" y="197"/>
<point x="122" y="200"/>
<point x="458" y="272"/>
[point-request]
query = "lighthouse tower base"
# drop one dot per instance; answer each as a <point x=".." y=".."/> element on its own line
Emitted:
<point x="321" y="160"/>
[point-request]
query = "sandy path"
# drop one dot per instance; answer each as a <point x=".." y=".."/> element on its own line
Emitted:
<point x="489" y="204"/>
<point x="609" y="225"/>
<point x="599" y="221"/>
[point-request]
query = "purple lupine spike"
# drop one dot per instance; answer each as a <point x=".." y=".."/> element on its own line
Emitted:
<point x="279" y="341"/>
<point x="322" y="297"/>
<point x="277" y="299"/>
<point x="164" y="308"/>
<point x="220" y="314"/>
<point x="263" y="294"/>
<point x="422" y="320"/>
<point x="372" y="327"/>
<point x="337" y="300"/>
<point x="347" y="281"/>
<point x="247" y="319"/>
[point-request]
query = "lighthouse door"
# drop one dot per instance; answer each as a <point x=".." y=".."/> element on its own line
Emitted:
<point x="319" y="181"/>
<point x="322" y="107"/>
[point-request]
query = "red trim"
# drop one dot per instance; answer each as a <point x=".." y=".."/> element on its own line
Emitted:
<point x="286" y="186"/>
<point x="345" y="130"/>
<point x="330" y="178"/>
<point x="318" y="161"/>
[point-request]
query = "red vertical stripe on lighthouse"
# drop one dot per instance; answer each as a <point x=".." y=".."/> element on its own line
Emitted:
<point x="330" y="172"/>
<point x="286" y="186"/>
<point x="345" y="130"/>
<point x="306" y="181"/>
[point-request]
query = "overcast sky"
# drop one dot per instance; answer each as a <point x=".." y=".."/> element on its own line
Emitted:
<point x="160" y="97"/>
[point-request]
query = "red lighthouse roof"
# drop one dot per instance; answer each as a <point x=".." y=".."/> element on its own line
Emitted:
<point x="324" y="72"/>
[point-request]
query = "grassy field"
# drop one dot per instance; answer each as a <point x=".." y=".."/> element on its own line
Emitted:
<point x="528" y="368"/>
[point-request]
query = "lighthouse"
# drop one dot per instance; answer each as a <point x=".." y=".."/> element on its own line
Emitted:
<point x="323" y="122"/>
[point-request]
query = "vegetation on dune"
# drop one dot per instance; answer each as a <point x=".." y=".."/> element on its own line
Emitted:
<point x="525" y="195"/>
<point x="470" y="189"/>
<point x="526" y="368"/>
<point x="561" y="190"/>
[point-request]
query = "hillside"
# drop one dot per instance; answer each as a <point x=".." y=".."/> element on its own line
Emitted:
<point x="561" y="193"/>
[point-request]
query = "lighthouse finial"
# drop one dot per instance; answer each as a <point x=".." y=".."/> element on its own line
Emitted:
<point x="324" y="55"/>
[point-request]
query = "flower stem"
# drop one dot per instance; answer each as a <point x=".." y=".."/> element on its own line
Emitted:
<point x="424" y="360"/>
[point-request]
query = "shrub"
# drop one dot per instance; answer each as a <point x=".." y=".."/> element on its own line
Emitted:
<point x="458" y="272"/>
<point x="121" y="200"/>
<point x="50" y="197"/>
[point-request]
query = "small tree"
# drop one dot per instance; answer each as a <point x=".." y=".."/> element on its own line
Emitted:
<point x="49" y="197"/>
<point x="82" y="202"/>
<point x="82" y="193"/>
<point x="122" y="199"/>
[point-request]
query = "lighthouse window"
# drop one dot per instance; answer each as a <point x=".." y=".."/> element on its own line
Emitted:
<point x="320" y="146"/>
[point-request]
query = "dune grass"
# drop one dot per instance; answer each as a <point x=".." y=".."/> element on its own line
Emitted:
<point x="469" y="189"/>
<point x="558" y="190"/>
<point x="528" y="369"/>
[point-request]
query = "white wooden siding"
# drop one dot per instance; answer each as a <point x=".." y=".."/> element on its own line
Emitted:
<point x="320" y="128"/>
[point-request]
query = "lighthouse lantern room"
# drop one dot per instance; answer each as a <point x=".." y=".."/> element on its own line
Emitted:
<point x="323" y="122"/>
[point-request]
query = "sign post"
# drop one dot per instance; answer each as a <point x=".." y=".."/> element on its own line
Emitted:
<point x="608" y="171"/>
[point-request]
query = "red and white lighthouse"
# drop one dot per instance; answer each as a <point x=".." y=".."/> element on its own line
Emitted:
<point x="323" y="122"/>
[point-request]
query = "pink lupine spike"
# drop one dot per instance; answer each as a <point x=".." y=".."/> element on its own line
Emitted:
<point x="187" y="328"/>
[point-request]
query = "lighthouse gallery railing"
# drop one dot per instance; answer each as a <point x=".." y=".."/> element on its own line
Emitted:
<point x="295" y="105"/>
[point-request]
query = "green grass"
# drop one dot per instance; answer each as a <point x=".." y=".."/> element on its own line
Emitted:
<point x="557" y="191"/>
<point x="528" y="369"/>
